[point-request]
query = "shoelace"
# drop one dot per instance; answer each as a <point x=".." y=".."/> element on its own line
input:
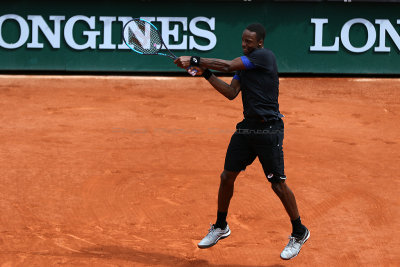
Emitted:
<point x="292" y="241"/>
<point x="211" y="228"/>
<point x="210" y="231"/>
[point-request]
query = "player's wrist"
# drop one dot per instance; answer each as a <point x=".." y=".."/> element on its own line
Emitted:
<point x="207" y="74"/>
<point x="195" y="61"/>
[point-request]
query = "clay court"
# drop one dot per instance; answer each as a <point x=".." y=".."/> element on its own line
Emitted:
<point x="124" y="171"/>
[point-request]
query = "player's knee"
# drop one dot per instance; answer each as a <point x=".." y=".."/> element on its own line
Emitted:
<point x="227" y="178"/>
<point x="278" y="187"/>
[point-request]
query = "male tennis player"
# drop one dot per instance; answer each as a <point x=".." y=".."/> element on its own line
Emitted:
<point x="260" y="134"/>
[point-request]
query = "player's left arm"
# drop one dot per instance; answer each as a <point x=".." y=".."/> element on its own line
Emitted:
<point x="213" y="63"/>
<point x="230" y="91"/>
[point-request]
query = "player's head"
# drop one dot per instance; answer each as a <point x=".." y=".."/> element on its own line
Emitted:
<point x="253" y="37"/>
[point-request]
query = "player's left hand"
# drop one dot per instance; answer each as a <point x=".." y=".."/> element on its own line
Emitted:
<point x="183" y="62"/>
<point x="195" y="71"/>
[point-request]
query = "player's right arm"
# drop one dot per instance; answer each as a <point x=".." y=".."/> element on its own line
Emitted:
<point x="213" y="63"/>
<point x="222" y="65"/>
<point x="229" y="91"/>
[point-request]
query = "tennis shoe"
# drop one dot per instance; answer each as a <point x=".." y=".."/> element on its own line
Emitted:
<point x="214" y="234"/>
<point x="292" y="249"/>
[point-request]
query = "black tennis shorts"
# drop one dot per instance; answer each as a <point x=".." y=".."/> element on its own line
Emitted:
<point x="257" y="139"/>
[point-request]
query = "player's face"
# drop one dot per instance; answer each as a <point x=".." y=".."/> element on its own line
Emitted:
<point x="250" y="42"/>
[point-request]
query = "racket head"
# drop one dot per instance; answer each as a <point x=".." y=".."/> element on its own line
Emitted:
<point x="143" y="37"/>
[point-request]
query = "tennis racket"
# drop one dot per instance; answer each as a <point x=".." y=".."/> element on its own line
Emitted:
<point x="144" y="38"/>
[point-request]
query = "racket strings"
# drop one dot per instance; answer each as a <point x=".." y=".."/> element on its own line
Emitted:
<point x="142" y="37"/>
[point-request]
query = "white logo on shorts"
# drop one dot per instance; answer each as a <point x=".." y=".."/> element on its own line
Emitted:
<point x="269" y="176"/>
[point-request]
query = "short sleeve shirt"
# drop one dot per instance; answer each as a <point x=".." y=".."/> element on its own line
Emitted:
<point x="259" y="84"/>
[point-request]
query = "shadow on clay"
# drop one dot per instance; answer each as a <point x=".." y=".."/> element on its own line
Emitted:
<point x="133" y="255"/>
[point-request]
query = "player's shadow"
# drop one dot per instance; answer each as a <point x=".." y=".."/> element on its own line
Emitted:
<point x="150" y="258"/>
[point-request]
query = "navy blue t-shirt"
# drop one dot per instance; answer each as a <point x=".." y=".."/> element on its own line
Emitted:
<point x="259" y="84"/>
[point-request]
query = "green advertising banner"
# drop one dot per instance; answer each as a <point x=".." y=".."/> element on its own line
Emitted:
<point x="306" y="37"/>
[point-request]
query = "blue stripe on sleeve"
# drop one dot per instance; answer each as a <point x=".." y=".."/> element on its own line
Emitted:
<point x="247" y="63"/>
<point x="236" y="77"/>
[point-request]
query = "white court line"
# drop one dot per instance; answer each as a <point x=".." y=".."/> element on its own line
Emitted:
<point x="156" y="78"/>
<point x="94" y="77"/>
<point x="374" y="79"/>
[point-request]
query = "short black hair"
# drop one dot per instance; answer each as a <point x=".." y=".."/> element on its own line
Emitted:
<point x="259" y="29"/>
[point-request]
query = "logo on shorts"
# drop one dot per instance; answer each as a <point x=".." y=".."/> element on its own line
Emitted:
<point x="270" y="175"/>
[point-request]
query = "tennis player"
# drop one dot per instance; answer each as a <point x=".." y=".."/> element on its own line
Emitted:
<point x="260" y="134"/>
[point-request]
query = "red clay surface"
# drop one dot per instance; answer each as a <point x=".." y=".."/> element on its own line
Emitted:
<point x="122" y="171"/>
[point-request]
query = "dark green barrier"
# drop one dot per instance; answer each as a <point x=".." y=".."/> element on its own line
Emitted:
<point x="324" y="37"/>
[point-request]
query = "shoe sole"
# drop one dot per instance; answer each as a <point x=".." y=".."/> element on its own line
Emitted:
<point x="216" y="241"/>
<point x="308" y="236"/>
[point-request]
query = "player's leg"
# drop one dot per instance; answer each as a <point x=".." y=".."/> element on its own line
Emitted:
<point x="300" y="233"/>
<point x="287" y="198"/>
<point x="220" y="229"/>
<point x="225" y="194"/>
<point x="238" y="156"/>
<point x="270" y="153"/>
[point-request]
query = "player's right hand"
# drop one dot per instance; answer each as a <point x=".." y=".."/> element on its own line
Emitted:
<point x="183" y="62"/>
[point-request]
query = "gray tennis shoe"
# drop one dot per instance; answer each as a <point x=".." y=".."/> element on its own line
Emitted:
<point x="214" y="234"/>
<point x="292" y="249"/>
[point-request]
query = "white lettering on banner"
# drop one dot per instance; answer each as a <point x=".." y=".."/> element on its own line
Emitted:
<point x="24" y="31"/>
<point x="180" y="33"/>
<point x="69" y="29"/>
<point x="345" y="35"/>
<point x="107" y="40"/>
<point x="175" y="27"/>
<point x="166" y="32"/>
<point x="142" y="36"/>
<point x="124" y="21"/>
<point x="52" y="36"/>
<point x="319" y="24"/>
<point x="384" y="27"/>
<point x="202" y="33"/>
